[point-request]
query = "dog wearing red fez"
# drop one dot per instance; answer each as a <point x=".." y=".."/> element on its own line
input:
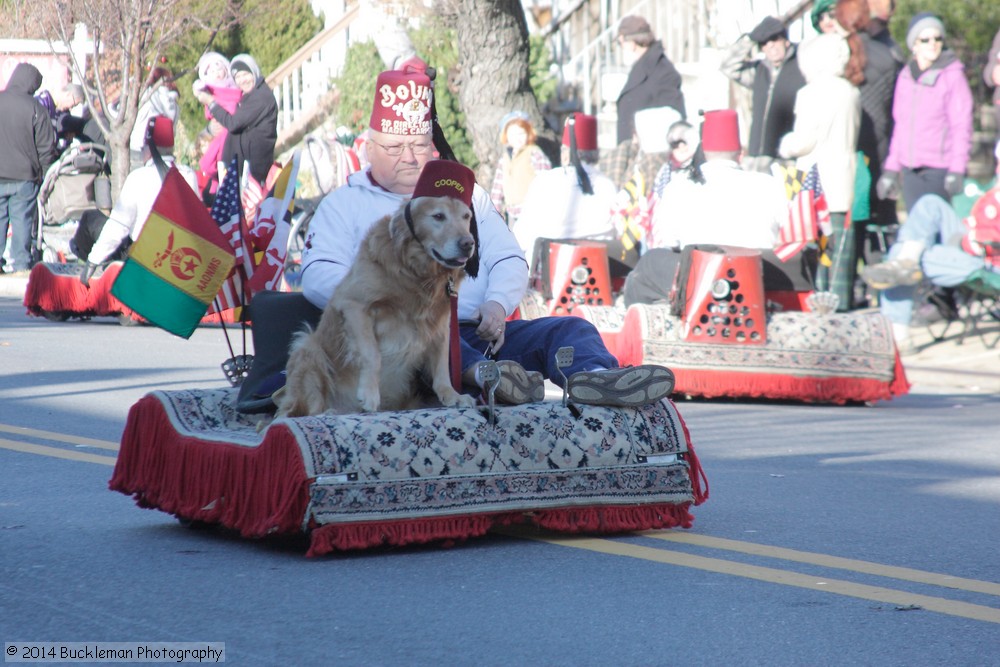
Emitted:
<point x="387" y="323"/>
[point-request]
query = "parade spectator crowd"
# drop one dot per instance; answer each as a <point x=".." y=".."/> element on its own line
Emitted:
<point x="878" y="127"/>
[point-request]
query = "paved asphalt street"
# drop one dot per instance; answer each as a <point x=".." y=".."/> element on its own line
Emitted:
<point x="863" y="535"/>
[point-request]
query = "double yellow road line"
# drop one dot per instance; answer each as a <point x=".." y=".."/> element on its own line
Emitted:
<point x="898" y="598"/>
<point x="57" y="452"/>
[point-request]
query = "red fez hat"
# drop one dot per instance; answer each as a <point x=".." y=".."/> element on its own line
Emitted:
<point x="444" y="178"/>
<point x="586" y="131"/>
<point x="402" y="103"/>
<point x="720" y="131"/>
<point x="160" y="132"/>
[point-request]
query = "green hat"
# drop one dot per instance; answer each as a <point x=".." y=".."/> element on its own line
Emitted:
<point x="820" y="7"/>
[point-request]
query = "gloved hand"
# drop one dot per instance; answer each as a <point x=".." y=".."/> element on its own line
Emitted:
<point x="86" y="273"/>
<point x="887" y="186"/>
<point x="953" y="183"/>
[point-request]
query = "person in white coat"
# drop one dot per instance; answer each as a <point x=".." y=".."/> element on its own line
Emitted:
<point x="399" y="146"/>
<point x="827" y="121"/>
<point x="718" y="203"/>
<point x="556" y="205"/>
<point x="99" y="240"/>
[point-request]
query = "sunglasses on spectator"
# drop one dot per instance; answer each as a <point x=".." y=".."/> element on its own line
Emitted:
<point x="928" y="40"/>
<point x="676" y="143"/>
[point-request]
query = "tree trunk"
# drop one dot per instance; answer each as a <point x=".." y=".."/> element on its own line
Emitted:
<point x="493" y="56"/>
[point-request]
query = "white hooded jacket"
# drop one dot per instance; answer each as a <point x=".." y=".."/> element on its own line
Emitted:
<point x="827" y="120"/>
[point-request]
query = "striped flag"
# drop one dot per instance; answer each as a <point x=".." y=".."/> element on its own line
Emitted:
<point x="252" y="195"/>
<point x="271" y="228"/>
<point x="227" y="212"/>
<point x="177" y="265"/>
<point x="808" y="214"/>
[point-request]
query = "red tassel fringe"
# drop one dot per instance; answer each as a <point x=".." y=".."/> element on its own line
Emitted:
<point x="835" y="390"/>
<point x="49" y="292"/>
<point x="55" y="293"/>
<point x="256" y="490"/>
<point x="263" y="490"/>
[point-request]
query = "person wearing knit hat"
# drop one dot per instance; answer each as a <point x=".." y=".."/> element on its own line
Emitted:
<point x="214" y="77"/>
<point x="101" y="238"/>
<point x="573" y="200"/>
<point x="521" y="159"/>
<point x="253" y="126"/>
<point x="773" y="80"/>
<point x="652" y="81"/>
<point x="933" y="111"/>
<point x="920" y="23"/>
<point x="822" y="15"/>
<point x="399" y="147"/>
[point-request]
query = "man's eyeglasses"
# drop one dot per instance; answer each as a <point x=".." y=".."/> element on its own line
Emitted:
<point x="677" y="143"/>
<point x="396" y="150"/>
<point x="928" y="40"/>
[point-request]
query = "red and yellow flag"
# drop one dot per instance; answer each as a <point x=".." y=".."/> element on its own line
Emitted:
<point x="177" y="265"/>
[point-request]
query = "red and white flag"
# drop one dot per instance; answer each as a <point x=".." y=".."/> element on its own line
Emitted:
<point x="272" y="227"/>
<point x="808" y="213"/>
<point x="227" y="211"/>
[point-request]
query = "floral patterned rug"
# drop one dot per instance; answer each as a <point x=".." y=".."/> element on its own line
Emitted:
<point x="191" y="453"/>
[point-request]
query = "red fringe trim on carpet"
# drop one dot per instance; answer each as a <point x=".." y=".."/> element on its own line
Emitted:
<point x="613" y="519"/>
<point x="50" y="292"/>
<point x="256" y="490"/>
<point x="56" y="293"/>
<point x="264" y="490"/>
<point x="836" y="390"/>
<point x="599" y="519"/>
<point x="345" y="536"/>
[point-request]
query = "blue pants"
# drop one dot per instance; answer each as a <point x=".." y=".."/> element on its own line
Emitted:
<point x="533" y="344"/>
<point x="933" y="222"/>
<point x="18" y="210"/>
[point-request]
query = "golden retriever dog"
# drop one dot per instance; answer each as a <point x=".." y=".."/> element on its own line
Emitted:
<point x="387" y="322"/>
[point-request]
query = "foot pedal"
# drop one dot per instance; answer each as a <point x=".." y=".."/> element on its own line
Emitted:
<point x="489" y="375"/>
<point x="237" y="368"/>
<point x="564" y="359"/>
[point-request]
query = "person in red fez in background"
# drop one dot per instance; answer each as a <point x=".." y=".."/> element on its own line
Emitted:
<point x="401" y="143"/>
<point x="729" y="206"/>
<point x="732" y="206"/>
<point x="573" y="201"/>
<point x="99" y="240"/>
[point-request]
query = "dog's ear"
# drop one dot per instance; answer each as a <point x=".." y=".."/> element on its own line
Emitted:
<point x="472" y="266"/>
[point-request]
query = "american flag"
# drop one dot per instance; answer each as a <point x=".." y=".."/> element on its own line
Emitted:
<point x="227" y="213"/>
<point x="808" y="214"/>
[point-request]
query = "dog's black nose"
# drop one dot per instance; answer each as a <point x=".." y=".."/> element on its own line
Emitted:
<point x="468" y="244"/>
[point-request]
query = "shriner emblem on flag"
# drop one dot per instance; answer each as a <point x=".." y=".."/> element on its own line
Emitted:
<point x="179" y="262"/>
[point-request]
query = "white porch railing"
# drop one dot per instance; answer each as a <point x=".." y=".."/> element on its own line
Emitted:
<point x="303" y="84"/>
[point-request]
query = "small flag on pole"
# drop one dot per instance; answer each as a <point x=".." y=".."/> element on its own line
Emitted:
<point x="272" y="227"/>
<point x="227" y="212"/>
<point x="177" y="265"/>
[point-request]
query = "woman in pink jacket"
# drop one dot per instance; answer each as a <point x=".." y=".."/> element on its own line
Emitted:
<point x="932" y="111"/>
